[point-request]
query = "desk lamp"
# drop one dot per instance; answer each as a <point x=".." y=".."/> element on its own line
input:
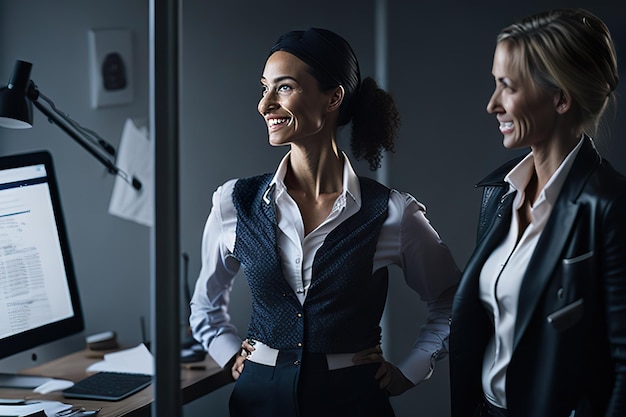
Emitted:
<point x="16" y="112"/>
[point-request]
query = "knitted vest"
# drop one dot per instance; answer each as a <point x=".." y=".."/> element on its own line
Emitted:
<point x="345" y="301"/>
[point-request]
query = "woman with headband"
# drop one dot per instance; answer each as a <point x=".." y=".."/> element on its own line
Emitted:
<point x="315" y="241"/>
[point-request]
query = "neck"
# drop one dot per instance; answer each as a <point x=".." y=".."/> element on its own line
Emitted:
<point x="315" y="173"/>
<point x="548" y="158"/>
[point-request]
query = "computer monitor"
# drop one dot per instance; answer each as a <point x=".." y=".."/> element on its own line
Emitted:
<point x="39" y="300"/>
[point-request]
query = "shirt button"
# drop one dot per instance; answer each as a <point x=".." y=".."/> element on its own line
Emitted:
<point x="297" y="260"/>
<point x="299" y="314"/>
<point x="299" y="344"/>
<point x="296" y="363"/>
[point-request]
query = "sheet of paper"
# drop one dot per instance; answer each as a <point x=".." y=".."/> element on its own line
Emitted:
<point x="49" y="407"/>
<point x="134" y="157"/>
<point x="137" y="360"/>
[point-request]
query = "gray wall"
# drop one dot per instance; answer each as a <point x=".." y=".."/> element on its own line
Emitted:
<point x="439" y="71"/>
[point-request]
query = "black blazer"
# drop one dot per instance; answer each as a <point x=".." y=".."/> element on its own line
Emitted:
<point x="569" y="351"/>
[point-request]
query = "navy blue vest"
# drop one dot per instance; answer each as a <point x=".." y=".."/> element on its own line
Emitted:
<point x="345" y="301"/>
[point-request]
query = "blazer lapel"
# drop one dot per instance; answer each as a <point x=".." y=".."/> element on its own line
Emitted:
<point x="554" y="237"/>
<point x="495" y="234"/>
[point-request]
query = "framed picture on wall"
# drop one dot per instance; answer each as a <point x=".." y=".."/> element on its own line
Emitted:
<point x="111" y="67"/>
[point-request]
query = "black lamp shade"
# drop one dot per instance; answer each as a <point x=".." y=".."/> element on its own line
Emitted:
<point x="16" y="110"/>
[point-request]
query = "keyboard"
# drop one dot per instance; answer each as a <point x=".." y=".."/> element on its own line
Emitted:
<point x="108" y="386"/>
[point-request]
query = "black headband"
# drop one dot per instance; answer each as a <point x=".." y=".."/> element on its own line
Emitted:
<point x="327" y="53"/>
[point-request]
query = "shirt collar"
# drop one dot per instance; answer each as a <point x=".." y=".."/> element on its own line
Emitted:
<point x="519" y="176"/>
<point x="351" y="185"/>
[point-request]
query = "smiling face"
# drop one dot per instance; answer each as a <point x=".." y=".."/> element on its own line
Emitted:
<point x="293" y="106"/>
<point x="527" y="113"/>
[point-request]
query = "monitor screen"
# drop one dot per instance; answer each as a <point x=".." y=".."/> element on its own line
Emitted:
<point x="39" y="300"/>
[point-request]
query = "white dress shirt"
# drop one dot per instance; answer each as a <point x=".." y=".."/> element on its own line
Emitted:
<point x="406" y="239"/>
<point x="503" y="272"/>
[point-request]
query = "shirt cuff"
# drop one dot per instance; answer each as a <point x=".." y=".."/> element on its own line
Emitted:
<point x="419" y="366"/>
<point x="223" y="347"/>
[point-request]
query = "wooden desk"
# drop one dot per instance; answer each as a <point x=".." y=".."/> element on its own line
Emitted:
<point x="194" y="384"/>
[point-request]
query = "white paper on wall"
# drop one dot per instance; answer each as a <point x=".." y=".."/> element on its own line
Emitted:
<point x="135" y="158"/>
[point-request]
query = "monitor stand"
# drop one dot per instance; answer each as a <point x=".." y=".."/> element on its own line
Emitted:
<point x="22" y="381"/>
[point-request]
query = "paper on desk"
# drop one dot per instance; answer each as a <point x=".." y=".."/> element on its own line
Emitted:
<point x="137" y="360"/>
<point x="48" y="407"/>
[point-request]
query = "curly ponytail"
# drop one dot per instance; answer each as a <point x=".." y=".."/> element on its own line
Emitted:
<point x="375" y="123"/>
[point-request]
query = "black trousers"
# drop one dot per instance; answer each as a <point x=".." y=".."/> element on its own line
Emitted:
<point x="306" y="388"/>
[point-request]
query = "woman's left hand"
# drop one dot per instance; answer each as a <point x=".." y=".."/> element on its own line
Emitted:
<point x="389" y="377"/>
<point x="392" y="379"/>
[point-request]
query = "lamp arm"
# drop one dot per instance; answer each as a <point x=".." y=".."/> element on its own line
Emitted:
<point x="86" y="133"/>
<point x="55" y="119"/>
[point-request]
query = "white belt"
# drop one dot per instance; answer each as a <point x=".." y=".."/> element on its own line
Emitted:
<point x="265" y="355"/>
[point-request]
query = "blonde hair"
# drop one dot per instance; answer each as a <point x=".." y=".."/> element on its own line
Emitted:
<point x="570" y="50"/>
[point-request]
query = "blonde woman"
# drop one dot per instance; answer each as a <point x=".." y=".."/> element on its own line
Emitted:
<point x="539" y="320"/>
